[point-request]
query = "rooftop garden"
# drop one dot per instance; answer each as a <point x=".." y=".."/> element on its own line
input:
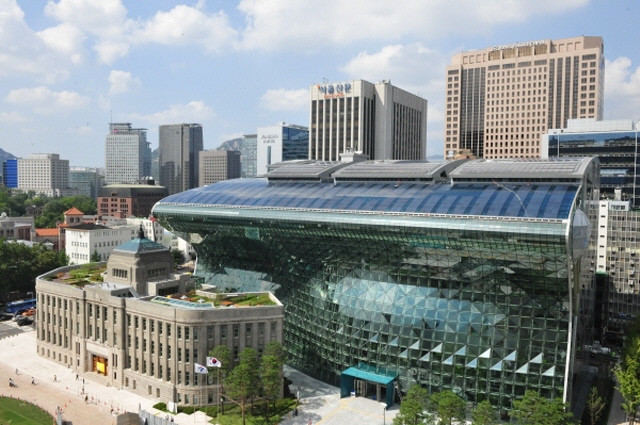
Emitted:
<point x="227" y="300"/>
<point x="85" y="274"/>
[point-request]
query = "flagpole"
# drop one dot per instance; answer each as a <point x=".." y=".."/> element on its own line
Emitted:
<point x="219" y="395"/>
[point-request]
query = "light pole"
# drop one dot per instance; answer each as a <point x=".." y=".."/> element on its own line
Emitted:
<point x="384" y="413"/>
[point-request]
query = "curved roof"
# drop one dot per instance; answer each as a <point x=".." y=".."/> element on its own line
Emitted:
<point x="523" y="168"/>
<point x="392" y="169"/>
<point x="548" y="200"/>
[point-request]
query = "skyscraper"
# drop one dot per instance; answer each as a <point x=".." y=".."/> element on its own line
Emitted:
<point x="501" y="99"/>
<point x="127" y="154"/>
<point x="379" y="120"/>
<point x="179" y="147"/>
<point x="45" y="173"/>
<point x="218" y="165"/>
<point x="282" y="142"/>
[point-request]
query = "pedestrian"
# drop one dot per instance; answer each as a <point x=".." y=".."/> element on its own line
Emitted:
<point x="309" y="423"/>
<point x="55" y="378"/>
<point x="33" y="381"/>
<point x="16" y="371"/>
<point x="10" y="382"/>
<point x="82" y="381"/>
<point x="77" y="376"/>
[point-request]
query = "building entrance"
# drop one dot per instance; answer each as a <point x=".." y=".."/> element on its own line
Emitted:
<point x="100" y="365"/>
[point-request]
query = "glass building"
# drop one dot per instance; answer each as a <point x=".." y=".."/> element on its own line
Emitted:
<point x="10" y="173"/>
<point x="282" y="142"/>
<point x="462" y="275"/>
<point x="248" y="158"/>
<point x="613" y="142"/>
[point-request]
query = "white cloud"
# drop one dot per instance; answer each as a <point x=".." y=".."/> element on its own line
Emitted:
<point x="122" y="82"/>
<point x="22" y="52"/>
<point x="194" y="111"/>
<point x="66" y="39"/>
<point x="12" y="117"/>
<point x="411" y="67"/>
<point x="105" y="20"/>
<point x="622" y="89"/>
<point x="45" y="101"/>
<point x="188" y="25"/>
<point x="281" y="24"/>
<point x="285" y="100"/>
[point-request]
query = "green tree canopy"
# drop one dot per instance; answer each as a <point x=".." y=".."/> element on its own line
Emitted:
<point x="20" y="264"/>
<point x="484" y="414"/>
<point x="413" y="408"/>
<point x="534" y="409"/>
<point x="243" y="382"/>
<point x="449" y="407"/>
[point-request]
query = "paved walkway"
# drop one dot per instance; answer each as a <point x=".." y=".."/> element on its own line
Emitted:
<point x="320" y="402"/>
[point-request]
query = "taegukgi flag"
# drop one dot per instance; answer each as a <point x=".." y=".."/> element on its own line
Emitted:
<point x="213" y="362"/>
<point x="200" y="369"/>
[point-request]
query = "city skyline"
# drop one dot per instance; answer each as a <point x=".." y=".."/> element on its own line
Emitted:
<point x="69" y="68"/>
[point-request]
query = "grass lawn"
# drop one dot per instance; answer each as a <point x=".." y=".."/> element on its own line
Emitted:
<point x="19" y="412"/>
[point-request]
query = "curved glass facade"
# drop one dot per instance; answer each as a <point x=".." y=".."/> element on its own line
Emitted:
<point x="463" y="287"/>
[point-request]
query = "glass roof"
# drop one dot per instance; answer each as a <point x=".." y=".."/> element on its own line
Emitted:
<point x="551" y="201"/>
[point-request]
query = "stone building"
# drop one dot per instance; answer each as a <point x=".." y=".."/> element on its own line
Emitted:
<point x="141" y="327"/>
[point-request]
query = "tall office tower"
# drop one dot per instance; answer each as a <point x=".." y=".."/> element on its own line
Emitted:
<point x="127" y="154"/>
<point x="86" y="179"/>
<point x="178" y="163"/>
<point x="613" y="142"/>
<point x="379" y="120"/>
<point x="282" y="142"/>
<point x="45" y="173"/>
<point x="248" y="156"/>
<point x="501" y="99"/>
<point x="10" y="173"/>
<point x="219" y="165"/>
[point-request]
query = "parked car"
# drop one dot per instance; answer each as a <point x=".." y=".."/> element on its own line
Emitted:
<point x="24" y="320"/>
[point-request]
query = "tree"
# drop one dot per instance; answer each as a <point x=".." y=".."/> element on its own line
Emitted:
<point x="21" y="264"/>
<point x="178" y="257"/>
<point x="629" y="384"/>
<point x="533" y="409"/>
<point x="484" y="414"/>
<point x="218" y="375"/>
<point x="95" y="257"/>
<point x="413" y="408"/>
<point x="595" y="406"/>
<point x="271" y="379"/>
<point x="243" y="383"/>
<point x="449" y="407"/>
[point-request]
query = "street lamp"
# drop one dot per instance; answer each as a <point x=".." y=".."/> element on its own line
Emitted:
<point x="384" y="413"/>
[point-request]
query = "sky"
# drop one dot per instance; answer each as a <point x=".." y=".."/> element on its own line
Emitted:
<point x="69" y="67"/>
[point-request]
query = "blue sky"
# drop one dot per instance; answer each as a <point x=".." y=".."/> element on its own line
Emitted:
<point x="68" y="66"/>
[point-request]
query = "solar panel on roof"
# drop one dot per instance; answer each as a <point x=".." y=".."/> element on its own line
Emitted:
<point x="533" y="201"/>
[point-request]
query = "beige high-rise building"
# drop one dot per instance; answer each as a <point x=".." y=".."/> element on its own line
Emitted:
<point x="378" y="119"/>
<point x="219" y="165"/>
<point x="502" y="98"/>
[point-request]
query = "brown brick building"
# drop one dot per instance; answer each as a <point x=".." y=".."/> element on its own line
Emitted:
<point x="126" y="200"/>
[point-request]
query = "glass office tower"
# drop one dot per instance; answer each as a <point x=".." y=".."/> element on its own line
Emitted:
<point x="459" y="275"/>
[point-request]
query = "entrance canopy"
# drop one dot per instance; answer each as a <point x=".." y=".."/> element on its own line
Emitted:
<point x="368" y="373"/>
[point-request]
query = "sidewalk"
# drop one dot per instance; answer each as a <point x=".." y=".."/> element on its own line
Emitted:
<point x="320" y="402"/>
<point x="19" y="352"/>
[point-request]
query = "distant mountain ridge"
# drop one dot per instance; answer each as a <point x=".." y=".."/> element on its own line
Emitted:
<point x="4" y="155"/>
<point x="230" y="145"/>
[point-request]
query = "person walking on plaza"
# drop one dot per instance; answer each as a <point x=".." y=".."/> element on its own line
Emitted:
<point x="33" y="381"/>
<point x="55" y="378"/>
